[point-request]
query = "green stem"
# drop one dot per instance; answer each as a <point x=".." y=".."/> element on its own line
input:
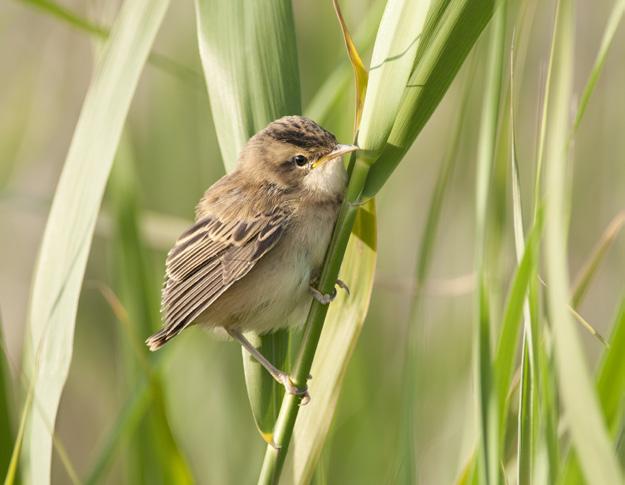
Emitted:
<point x="276" y="454"/>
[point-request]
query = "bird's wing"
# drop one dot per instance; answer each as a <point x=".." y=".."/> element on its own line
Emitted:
<point x="209" y="257"/>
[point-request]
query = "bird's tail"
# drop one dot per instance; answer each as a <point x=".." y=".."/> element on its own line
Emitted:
<point x="159" y="339"/>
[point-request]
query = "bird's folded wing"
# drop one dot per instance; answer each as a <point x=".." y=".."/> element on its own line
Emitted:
<point x="209" y="257"/>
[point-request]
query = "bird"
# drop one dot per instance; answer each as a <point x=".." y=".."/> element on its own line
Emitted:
<point x="252" y="259"/>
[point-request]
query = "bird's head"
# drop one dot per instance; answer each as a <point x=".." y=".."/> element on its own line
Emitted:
<point x="297" y="154"/>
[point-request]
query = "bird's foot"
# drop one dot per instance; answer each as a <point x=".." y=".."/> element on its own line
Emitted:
<point x="323" y="298"/>
<point x="292" y="389"/>
<point x="326" y="298"/>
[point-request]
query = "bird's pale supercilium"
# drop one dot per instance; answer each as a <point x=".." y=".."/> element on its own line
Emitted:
<point x="251" y="260"/>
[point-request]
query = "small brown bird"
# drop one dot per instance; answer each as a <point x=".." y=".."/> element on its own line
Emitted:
<point x="251" y="260"/>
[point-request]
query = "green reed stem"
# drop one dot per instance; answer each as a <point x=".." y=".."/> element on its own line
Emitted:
<point x="275" y="455"/>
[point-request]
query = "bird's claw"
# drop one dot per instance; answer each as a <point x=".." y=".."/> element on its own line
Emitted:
<point x="341" y="284"/>
<point x="326" y="298"/>
<point x="292" y="389"/>
<point x="323" y="298"/>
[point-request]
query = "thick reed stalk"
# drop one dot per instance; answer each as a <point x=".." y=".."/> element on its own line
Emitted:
<point x="276" y="455"/>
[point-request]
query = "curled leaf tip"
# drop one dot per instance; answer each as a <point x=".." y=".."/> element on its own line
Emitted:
<point x="361" y="76"/>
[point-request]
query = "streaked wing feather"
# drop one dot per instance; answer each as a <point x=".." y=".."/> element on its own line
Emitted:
<point x="209" y="257"/>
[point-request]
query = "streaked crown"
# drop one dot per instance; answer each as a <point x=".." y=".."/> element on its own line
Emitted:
<point x="300" y="132"/>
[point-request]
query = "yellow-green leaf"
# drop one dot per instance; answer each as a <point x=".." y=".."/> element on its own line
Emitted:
<point x="579" y="399"/>
<point x="69" y="230"/>
<point x="249" y="56"/>
<point x="338" y="339"/>
<point x="392" y="61"/>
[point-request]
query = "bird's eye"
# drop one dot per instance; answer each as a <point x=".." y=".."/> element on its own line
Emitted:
<point x="300" y="160"/>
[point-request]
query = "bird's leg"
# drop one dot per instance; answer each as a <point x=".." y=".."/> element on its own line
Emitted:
<point x="279" y="375"/>
<point x="326" y="298"/>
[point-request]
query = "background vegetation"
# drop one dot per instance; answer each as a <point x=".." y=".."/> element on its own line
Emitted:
<point x="454" y="367"/>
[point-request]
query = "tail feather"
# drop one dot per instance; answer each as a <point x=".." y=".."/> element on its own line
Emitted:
<point x="160" y="338"/>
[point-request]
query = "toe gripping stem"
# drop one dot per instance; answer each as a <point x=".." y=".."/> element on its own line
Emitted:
<point x="326" y="298"/>
<point x="292" y="389"/>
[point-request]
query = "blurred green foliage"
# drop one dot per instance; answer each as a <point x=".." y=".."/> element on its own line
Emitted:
<point x="46" y="69"/>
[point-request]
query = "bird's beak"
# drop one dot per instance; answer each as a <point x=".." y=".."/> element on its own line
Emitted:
<point x="339" y="151"/>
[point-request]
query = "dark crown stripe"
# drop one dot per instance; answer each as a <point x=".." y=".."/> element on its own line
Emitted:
<point x="300" y="132"/>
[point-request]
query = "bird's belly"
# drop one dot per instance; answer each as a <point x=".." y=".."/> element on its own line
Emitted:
<point x="275" y="293"/>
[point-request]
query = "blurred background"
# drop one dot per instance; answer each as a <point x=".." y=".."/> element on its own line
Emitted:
<point x="171" y="156"/>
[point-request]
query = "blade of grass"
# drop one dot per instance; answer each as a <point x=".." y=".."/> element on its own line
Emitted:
<point x="585" y="275"/>
<point x="513" y="316"/>
<point x="407" y="464"/>
<point x="157" y="60"/>
<point x="550" y="402"/>
<point x="249" y="56"/>
<point x="134" y="282"/>
<point x="358" y="170"/>
<point x="610" y="385"/>
<point x="124" y="427"/>
<point x="67" y="237"/>
<point x="275" y="456"/>
<point x="432" y="24"/>
<point x="336" y="344"/>
<point x="361" y="76"/>
<point x="457" y="31"/>
<point x="6" y="405"/>
<point x="391" y="63"/>
<point x="12" y="470"/>
<point x="608" y="36"/>
<point x="154" y="453"/>
<point x="525" y="442"/>
<point x="585" y="423"/>
<point x="528" y="399"/>
<point x="549" y="408"/>
<point x="589" y="269"/>
<point x="329" y="94"/>
<point x="345" y="317"/>
<point x="611" y="375"/>
<point x="263" y="392"/>
<point x="486" y="380"/>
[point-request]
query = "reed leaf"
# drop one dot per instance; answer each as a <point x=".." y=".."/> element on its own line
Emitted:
<point x="391" y="63"/>
<point x="327" y="97"/>
<point x="346" y="315"/>
<point x="156" y="455"/>
<point x="513" y="317"/>
<point x="361" y="75"/>
<point x="12" y="470"/>
<point x="608" y="36"/>
<point x="590" y="267"/>
<point x="528" y="397"/>
<point x="249" y="56"/>
<point x="585" y="423"/>
<point x="456" y="32"/>
<point x="69" y="230"/>
<point x="336" y="345"/>
<point x="124" y="427"/>
<point x="611" y="375"/>
<point x="610" y="384"/>
<point x="359" y="173"/>
<point x="6" y="406"/>
<point x="408" y="459"/>
<point x="488" y="388"/>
